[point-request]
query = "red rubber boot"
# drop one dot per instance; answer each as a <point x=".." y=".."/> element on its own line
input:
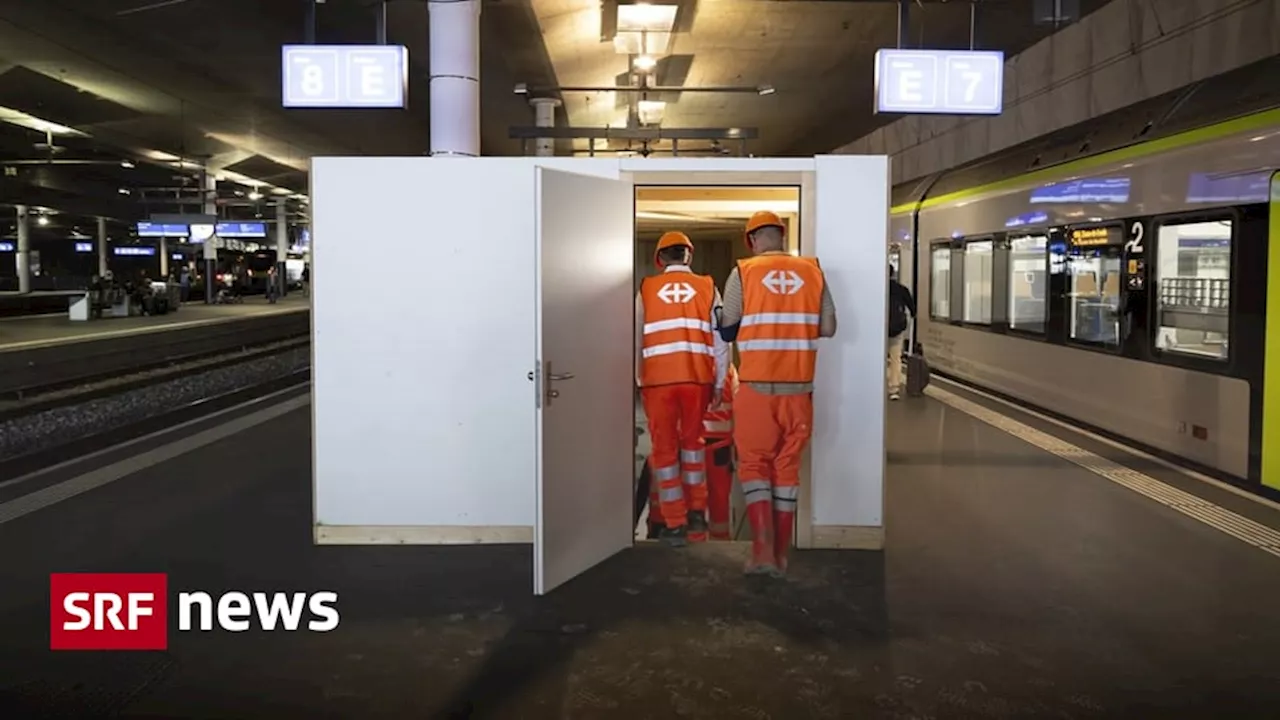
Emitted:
<point x="762" y="562"/>
<point x="719" y="485"/>
<point x="784" y="525"/>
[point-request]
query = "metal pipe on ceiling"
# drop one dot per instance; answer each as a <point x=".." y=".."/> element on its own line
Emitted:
<point x="608" y="133"/>
<point x="752" y="89"/>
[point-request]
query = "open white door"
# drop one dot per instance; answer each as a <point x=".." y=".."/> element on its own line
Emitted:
<point x="585" y="379"/>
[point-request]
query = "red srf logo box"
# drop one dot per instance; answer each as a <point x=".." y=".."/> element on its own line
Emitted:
<point x="108" y="611"/>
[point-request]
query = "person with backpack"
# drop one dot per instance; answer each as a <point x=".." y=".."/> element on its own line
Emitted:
<point x="901" y="304"/>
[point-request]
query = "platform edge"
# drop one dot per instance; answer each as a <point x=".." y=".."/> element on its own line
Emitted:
<point x="423" y="534"/>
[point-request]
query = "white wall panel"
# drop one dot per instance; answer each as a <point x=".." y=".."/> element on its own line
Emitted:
<point x="423" y="331"/>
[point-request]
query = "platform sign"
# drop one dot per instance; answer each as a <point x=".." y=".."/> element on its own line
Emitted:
<point x="6" y="247"/>
<point x="242" y="230"/>
<point x="151" y="229"/>
<point x="83" y="247"/>
<point x="345" y="76"/>
<point x="134" y="250"/>
<point x="941" y="82"/>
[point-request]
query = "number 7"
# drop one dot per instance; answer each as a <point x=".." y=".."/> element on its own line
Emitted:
<point x="972" y="79"/>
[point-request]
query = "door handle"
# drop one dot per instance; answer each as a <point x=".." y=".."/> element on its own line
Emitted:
<point x="561" y="376"/>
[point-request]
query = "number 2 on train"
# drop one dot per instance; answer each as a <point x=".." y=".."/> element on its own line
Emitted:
<point x="1133" y="246"/>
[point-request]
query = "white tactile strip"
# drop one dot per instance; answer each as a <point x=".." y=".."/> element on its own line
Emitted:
<point x="1253" y="533"/>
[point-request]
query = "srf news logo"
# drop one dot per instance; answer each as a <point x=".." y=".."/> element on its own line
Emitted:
<point x="130" y="611"/>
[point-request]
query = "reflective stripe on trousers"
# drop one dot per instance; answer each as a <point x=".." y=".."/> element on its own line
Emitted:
<point x="784" y="498"/>
<point x="754" y="491"/>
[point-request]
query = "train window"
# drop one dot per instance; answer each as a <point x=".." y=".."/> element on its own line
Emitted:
<point x="977" y="282"/>
<point x="940" y="282"/>
<point x="1193" y="276"/>
<point x="1093" y="273"/>
<point x="1027" y="283"/>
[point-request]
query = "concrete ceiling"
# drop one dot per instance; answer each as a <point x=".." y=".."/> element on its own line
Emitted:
<point x="175" y="87"/>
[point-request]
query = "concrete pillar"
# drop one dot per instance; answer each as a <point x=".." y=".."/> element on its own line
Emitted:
<point x="211" y="245"/>
<point x="22" y="255"/>
<point x="282" y="245"/>
<point x="544" y="115"/>
<point x="454" y="28"/>
<point x="102" y="247"/>
<point x="164" y="258"/>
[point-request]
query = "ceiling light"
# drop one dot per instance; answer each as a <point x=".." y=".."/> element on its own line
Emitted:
<point x="650" y="112"/>
<point x="637" y="43"/>
<point x="42" y="220"/>
<point x="521" y="89"/>
<point x="126" y="164"/>
<point x="162" y="156"/>
<point x="765" y="90"/>
<point x="646" y="18"/>
<point x="123" y="191"/>
<point x="255" y="195"/>
<point x="644" y="63"/>
<point x="31" y="122"/>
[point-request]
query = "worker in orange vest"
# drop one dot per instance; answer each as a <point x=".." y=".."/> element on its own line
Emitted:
<point x="776" y="306"/>
<point x="717" y="431"/>
<point x="681" y="363"/>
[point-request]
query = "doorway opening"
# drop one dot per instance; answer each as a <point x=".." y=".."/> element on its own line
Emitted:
<point x="713" y="217"/>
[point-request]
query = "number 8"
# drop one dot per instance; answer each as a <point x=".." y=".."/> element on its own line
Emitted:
<point x="312" y="80"/>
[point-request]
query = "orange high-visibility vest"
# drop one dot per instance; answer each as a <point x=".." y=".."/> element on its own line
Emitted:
<point x="781" y="308"/>
<point x="719" y="423"/>
<point x="677" y="345"/>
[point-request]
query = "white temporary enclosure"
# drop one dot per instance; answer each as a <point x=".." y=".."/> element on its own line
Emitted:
<point x="472" y="330"/>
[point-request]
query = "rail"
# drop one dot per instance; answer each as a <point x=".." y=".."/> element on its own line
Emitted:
<point x="44" y="368"/>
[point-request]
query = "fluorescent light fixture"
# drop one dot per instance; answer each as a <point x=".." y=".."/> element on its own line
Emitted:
<point x="644" y="63"/>
<point x="636" y="43"/>
<point x="42" y="220"/>
<point x="255" y="195"/>
<point x="765" y="90"/>
<point x="650" y="112"/>
<point x="31" y="122"/>
<point x="162" y="156"/>
<point x="643" y="17"/>
<point x="521" y="89"/>
<point x="127" y="164"/>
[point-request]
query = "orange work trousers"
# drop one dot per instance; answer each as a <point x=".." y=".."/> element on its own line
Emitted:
<point x="719" y="489"/>
<point x="678" y="456"/>
<point x="771" y="432"/>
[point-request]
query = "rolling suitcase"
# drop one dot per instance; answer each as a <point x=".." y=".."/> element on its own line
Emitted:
<point x="917" y="366"/>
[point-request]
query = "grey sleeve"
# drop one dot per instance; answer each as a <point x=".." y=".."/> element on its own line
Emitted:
<point x="827" y="320"/>
<point x="732" y="313"/>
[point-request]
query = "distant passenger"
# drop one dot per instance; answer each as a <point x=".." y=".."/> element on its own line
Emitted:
<point x="776" y="306"/>
<point x="306" y="280"/>
<point x="680" y="369"/>
<point x="901" y="304"/>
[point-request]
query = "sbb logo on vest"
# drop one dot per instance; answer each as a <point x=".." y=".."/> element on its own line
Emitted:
<point x="129" y="611"/>
<point x="783" y="282"/>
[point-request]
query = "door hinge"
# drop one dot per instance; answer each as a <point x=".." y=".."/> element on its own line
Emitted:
<point x="535" y="376"/>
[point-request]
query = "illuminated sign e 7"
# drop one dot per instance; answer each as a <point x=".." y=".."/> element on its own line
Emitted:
<point x="942" y="82"/>
<point x="1085" y="237"/>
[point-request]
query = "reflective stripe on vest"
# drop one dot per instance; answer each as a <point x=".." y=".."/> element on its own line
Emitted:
<point x="677" y="340"/>
<point x="781" y="312"/>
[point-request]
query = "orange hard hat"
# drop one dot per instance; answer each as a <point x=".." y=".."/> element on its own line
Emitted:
<point x="673" y="238"/>
<point x="762" y="219"/>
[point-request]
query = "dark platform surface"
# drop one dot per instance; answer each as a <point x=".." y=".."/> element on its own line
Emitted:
<point x="23" y="333"/>
<point x="1014" y="585"/>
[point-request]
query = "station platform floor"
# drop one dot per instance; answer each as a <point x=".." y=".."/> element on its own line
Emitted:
<point x="32" y="331"/>
<point x="1016" y="583"/>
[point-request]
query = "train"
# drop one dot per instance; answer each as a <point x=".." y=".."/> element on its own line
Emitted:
<point x="1134" y="292"/>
